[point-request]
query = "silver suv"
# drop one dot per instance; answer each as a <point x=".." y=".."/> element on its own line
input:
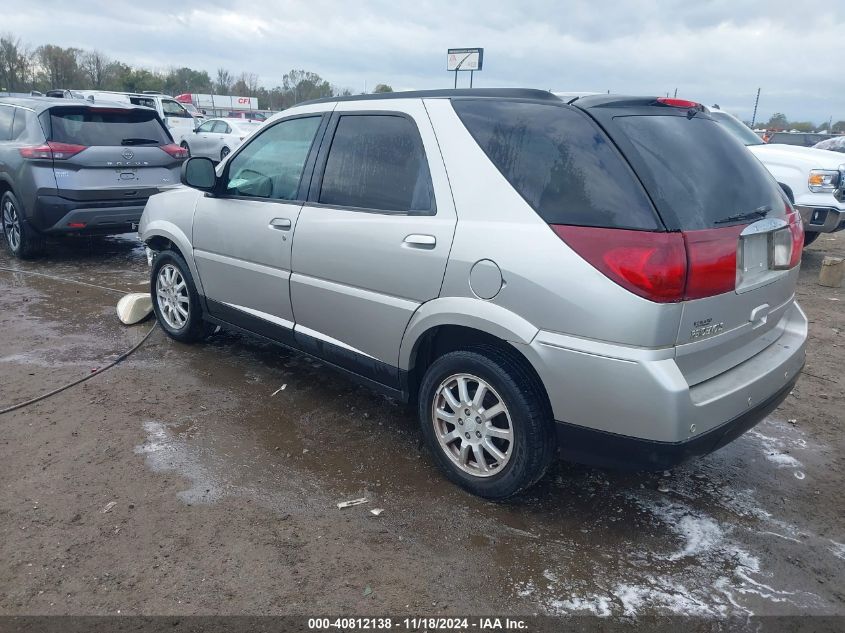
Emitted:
<point x="612" y="278"/>
<point x="67" y="166"/>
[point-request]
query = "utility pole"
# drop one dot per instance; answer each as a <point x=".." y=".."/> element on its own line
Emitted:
<point x="754" y="116"/>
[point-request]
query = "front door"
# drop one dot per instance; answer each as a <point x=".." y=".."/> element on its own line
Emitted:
<point x="242" y="236"/>
<point x="373" y="240"/>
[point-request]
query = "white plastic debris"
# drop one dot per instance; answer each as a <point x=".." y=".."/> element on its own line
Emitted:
<point x="282" y="388"/>
<point x="134" y="307"/>
<point x="662" y="488"/>
<point x="353" y="502"/>
<point x="109" y="506"/>
<point x="376" y="511"/>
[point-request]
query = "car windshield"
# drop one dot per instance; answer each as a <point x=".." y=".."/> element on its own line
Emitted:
<point x="737" y="128"/>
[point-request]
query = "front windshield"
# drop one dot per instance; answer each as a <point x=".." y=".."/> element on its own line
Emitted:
<point x="737" y="128"/>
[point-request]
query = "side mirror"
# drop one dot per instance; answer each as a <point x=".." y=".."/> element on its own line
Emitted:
<point x="198" y="172"/>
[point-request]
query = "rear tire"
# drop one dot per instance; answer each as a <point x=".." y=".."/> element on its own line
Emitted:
<point x="23" y="241"/>
<point x="176" y="301"/>
<point x="809" y="238"/>
<point x="522" y="459"/>
<point x="224" y="153"/>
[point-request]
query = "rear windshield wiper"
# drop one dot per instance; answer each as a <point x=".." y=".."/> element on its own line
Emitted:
<point x="762" y="212"/>
<point x="140" y="141"/>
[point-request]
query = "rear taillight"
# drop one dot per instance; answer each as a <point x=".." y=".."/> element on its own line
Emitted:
<point x="668" y="267"/>
<point x="176" y="151"/>
<point x="796" y="229"/>
<point x="652" y="265"/>
<point x="51" y="150"/>
<point x="712" y="261"/>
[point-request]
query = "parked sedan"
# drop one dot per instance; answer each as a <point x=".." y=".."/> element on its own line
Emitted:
<point x="217" y="138"/>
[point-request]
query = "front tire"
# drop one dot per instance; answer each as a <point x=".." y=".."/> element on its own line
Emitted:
<point x="175" y="299"/>
<point x="486" y="419"/>
<point x="22" y="240"/>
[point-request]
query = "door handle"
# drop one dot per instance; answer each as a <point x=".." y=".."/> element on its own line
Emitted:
<point x="280" y="224"/>
<point x="420" y="241"/>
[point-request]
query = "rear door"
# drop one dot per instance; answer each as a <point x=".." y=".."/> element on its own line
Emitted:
<point x="373" y="239"/>
<point x="110" y="153"/>
<point x="705" y="183"/>
<point x="242" y="235"/>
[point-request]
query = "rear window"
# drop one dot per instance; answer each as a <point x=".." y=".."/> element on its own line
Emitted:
<point x="101" y="126"/>
<point x="697" y="173"/>
<point x="560" y="162"/>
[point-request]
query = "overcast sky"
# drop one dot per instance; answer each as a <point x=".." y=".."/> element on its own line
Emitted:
<point x="714" y="51"/>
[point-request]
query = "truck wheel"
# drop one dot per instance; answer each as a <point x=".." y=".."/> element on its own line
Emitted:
<point x="23" y="241"/>
<point x="486" y="420"/>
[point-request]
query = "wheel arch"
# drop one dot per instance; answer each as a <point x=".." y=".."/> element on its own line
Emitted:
<point x="160" y="235"/>
<point x="445" y="325"/>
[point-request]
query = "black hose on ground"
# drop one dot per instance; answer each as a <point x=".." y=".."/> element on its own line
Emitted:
<point x="99" y="371"/>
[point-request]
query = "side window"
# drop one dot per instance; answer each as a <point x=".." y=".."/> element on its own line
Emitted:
<point x="271" y="164"/>
<point x="378" y="162"/>
<point x="220" y="127"/>
<point x="207" y="126"/>
<point x="172" y="108"/>
<point x="7" y="113"/>
<point x="19" y="124"/>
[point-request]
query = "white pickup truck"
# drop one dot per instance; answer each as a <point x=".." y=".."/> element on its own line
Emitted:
<point x="814" y="179"/>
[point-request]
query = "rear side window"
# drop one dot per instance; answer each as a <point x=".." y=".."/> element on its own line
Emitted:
<point x="559" y="160"/>
<point x="7" y="114"/>
<point x="378" y="162"/>
<point x="697" y="173"/>
<point x="103" y="126"/>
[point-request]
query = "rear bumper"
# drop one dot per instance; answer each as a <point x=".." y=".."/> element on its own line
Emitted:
<point x="54" y="214"/>
<point x="599" y="448"/>
<point x="821" y="219"/>
<point x="634" y="407"/>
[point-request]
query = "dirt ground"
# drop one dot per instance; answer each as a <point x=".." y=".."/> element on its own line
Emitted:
<point x="222" y="496"/>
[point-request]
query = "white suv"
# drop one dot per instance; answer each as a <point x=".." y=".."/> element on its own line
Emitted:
<point x="814" y="179"/>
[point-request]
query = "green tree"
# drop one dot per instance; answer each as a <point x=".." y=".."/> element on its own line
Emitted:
<point x="380" y="88"/>
<point x="59" y="66"/>
<point x="778" y="121"/>
<point x="302" y="85"/>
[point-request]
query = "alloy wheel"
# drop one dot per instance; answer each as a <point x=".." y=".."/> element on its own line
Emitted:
<point x="11" y="225"/>
<point x="172" y="296"/>
<point x="472" y="425"/>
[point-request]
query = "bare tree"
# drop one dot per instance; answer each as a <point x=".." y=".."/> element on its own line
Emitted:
<point x="95" y="65"/>
<point x="224" y="81"/>
<point x="15" y="64"/>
